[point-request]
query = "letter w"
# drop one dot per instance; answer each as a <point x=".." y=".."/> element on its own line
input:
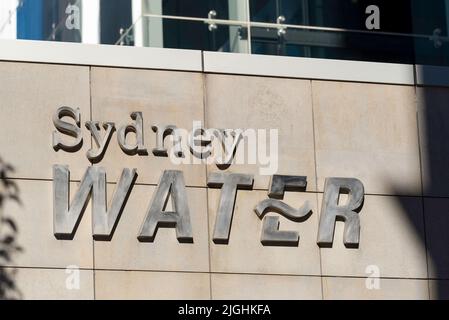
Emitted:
<point x="66" y="217"/>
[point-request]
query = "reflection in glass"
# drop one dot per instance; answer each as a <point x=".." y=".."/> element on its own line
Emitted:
<point x="182" y="34"/>
<point x="225" y="9"/>
<point x="333" y="45"/>
<point x="53" y="20"/>
<point x="411" y="31"/>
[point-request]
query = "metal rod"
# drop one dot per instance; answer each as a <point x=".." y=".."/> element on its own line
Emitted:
<point x="124" y="34"/>
<point x="291" y="26"/>
<point x="248" y="26"/>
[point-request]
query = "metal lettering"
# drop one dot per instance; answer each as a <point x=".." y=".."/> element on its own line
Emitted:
<point x="162" y="131"/>
<point x="137" y="128"/>
<point x="66" y="218"/>
<point x="331" y="211"/>
<point x="280" y="184"/>
<point x="104" y="220"/>
<point x="68" y="129"/>
<point x="200" y="143"/>
<point x="271" y="235"/>
<point x="97" y="155"/>
<point x="229" y="150"/>
<point x="229" y="183"/>
<point x="171" y="184"/>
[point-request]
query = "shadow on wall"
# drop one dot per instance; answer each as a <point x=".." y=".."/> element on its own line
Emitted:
<point x="433" y="229"/>
<point x="9" y="191"/>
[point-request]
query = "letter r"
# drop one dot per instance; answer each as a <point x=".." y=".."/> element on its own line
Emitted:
<point x="331" y="211"/>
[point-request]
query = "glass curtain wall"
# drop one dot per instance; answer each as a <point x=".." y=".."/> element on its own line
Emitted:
<point x="401" y="31"/>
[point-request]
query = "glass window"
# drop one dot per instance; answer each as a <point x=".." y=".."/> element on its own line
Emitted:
<point x="410" y="31"/>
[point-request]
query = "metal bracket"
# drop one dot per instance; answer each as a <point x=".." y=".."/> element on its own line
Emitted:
<point x="281" y="29"/>
<point x="436" y="38"/>
<point x="126" y="36"/>
<point x="210" y="16"/>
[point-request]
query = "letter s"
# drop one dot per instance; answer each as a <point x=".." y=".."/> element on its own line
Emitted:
<point x="68" y="129"/>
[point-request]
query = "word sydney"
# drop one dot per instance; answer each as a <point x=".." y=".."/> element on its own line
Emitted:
<point x="197" y="146"/>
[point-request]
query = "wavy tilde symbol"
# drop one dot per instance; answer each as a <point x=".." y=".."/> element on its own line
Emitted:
<point x="278" y="206"/>
<point x="271" y="235"/>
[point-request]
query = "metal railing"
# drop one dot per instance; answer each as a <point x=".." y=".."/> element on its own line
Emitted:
<point x="283" y="28"/>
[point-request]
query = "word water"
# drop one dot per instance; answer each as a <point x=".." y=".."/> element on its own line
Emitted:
<point x="67" y="215"/>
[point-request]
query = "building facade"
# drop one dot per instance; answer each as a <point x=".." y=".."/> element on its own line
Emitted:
<point x="107" y="192"/>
